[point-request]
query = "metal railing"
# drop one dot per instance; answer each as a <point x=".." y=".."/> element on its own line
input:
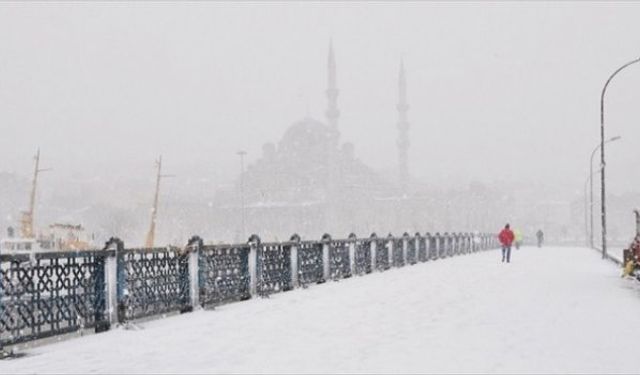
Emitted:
<point x="54" y="293"/>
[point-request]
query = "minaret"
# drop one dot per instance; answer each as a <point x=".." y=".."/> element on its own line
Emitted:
<point x="332" y="168"/>
<point x="332" y="112"/>
<point x="403" y="131"/>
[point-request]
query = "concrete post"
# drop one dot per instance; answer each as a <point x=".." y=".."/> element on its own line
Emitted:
<point x="114" y="245"/>
<point x="374" y="249"/>
<point x="405" y="248"/>
<point x="352" y="253"/>
<point x="194" y="247"/>
<point x="326" y="256"/>
<point x="254" y="243"/>
<point x="295" y="239"/>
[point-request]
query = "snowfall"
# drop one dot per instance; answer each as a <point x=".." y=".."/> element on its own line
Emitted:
<point x="551" y="310"/>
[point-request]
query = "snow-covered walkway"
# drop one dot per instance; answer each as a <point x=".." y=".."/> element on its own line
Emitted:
<point x="552" y="310"/>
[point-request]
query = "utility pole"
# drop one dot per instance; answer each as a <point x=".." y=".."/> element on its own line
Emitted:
<point x="154" y="211"/>
<point x="612" y="139"/>
<point x="603" y="206"/>
<point x="26" y="222"/>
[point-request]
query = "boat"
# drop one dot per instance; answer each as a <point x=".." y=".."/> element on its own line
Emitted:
<point x="57" y="237"/>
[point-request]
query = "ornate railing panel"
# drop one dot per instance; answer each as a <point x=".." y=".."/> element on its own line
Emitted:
<point x="448" y="244"/>
<point x="412" y="249"/>
<point x="274" y="268"/>
<point x="362" y="257"/>
<point x="398" y="252"/>
<point x="433" y="246"/>
<point x="441" y="246"/>
<point x="223" y="274"/>
<point x="152" y="281"/>
<point x="310" y="266"/>
<point x="382" y="255"/>
<point x="54" y="293"/>
<point x="51" y="294"/>
<point x="339" y="262"/>
<point x="422" y="246"/>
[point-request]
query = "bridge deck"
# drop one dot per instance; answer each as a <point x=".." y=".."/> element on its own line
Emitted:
<point x="550" y="310"/>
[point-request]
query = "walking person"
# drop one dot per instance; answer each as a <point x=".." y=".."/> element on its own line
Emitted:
<point x="518" y="237"/>
<point x="540" y="237"/>
<point x="506" y="239"/>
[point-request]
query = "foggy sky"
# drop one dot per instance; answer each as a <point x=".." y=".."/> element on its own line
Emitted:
<point x="499" y="92"/>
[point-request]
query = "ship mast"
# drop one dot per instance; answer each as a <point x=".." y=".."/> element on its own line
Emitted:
<point x="26" y="224"/>
<point x="154" y="211"/>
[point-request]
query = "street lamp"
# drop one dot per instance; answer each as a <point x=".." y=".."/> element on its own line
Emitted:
<point x="602" y="162"/>
<point x="242" y="154"/>
<point x="593" y="153"/>
<point x="586" y="210"/>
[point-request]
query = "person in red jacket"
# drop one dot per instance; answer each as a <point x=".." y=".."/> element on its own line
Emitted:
<point x="506" y="239"/>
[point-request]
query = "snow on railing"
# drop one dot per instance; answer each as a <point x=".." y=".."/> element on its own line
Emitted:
<point x="56" y="293"/>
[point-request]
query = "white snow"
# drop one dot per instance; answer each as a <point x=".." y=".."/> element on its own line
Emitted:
<point x="552" y="310"/>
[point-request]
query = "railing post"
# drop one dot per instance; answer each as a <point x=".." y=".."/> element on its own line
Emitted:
<point x="637" y="213"/>
<point x="455" y="240"/>
<point x="194" y="246"/>
<point x="116" y="281"/>
<point x="326" y="256"/>
<point x="447" y="249"/>
<point x="254" y="242"/>
<point x="352" y="253"/>
<point x="295" y="243"/>
<point x="373" y="246"/>
<point x="405" y="248"/>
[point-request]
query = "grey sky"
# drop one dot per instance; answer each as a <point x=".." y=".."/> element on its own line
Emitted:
<point x="498" y="91"/>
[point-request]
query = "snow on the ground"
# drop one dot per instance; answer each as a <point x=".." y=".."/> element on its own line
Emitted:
<point x="552" y="310"/>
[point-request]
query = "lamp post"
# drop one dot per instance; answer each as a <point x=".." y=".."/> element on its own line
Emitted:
<point x="588" y="181"/>
<point x="593" y="153"/>
<point x="602" y="162"/>
<point x="242" y="154"/>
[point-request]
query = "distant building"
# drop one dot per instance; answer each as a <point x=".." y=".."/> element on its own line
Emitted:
<point x="311" y="183"/>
